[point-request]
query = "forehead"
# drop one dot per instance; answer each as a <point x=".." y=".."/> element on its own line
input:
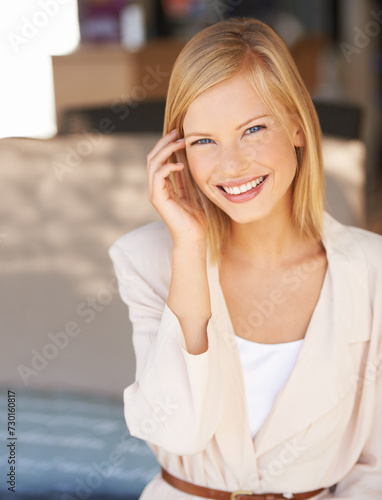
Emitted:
<point x="231" y="100"/>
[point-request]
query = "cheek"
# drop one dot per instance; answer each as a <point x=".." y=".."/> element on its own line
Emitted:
<point x="264" y="148"/>
<point x="199" y="164"/>
<point x="257" y="144"/>
<point x="276" y="153"/>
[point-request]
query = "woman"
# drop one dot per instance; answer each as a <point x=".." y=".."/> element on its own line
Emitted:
<point x="256" y="315"/>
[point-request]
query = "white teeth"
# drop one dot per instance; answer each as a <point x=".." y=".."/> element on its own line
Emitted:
<point x="244" y="187"/>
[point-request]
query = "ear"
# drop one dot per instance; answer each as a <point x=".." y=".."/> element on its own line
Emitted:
<point x="298" y="136"/>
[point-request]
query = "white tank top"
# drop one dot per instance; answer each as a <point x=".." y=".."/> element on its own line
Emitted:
<point x="266" y="369"/>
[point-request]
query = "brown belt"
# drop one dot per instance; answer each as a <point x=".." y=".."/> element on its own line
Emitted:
<point x="201" y="491"/>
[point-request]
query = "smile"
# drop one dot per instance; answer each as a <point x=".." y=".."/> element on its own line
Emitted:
<point x="245" y="191"/>
<point x="243" y="187"/>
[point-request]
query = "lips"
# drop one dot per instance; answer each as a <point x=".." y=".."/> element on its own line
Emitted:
<point x="240" y="182"/>
<point x="247" y="195"/>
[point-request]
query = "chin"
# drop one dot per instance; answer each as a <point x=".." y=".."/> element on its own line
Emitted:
<point x="247" y="218"/>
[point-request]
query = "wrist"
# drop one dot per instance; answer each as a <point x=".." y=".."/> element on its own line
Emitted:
<point x="190" y="245"/>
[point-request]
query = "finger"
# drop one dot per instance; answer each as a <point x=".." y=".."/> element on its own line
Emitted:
<point x="171" y="136"/>
<point x="157" y="182"/>
<point x="164" y="154"/>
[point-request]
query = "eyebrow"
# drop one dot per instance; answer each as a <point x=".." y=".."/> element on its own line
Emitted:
<point x="236" y="128"/>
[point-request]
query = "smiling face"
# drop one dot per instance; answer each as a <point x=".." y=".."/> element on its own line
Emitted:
<point x="232" y="139"/>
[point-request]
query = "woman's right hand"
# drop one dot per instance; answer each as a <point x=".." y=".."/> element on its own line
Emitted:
<point x="185" y="222"/>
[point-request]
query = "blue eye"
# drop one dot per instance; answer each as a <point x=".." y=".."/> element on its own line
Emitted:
<point x="249" y="131"/>
<point x="200" y="141"/>
<point x="257" y="127"/>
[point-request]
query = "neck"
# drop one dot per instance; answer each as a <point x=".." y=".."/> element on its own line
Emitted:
<point x="267" y="242"/>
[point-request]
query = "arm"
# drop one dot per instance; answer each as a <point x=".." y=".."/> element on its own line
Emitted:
<point x="189" y="296"/>
<point x="177" y="399"/>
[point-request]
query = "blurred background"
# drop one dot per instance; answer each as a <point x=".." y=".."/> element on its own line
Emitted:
<point x="82" y="94"/>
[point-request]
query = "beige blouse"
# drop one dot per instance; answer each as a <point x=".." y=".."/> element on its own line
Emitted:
<point x="325" y="424"/>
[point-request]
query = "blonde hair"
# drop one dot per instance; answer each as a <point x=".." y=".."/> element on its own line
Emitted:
<point x="249" y="47"/>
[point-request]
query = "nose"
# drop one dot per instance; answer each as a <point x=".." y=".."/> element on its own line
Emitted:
<point x="232" y="160"/>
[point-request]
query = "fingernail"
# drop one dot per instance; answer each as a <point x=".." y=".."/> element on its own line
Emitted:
<point x="180" y="140"/>
<point x="172" y="131"/>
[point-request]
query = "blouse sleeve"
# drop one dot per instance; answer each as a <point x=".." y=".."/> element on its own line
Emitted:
<point x="177" y="399"/>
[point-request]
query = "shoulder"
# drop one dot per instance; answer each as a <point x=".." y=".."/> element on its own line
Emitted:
<point x="371" y="245"/>
<point x="355" y="242"/>
<point x="142" y="236"/>
<point x="145" y="247"/>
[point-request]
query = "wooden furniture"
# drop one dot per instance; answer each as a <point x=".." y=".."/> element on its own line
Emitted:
<point x="107" y="74"/>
